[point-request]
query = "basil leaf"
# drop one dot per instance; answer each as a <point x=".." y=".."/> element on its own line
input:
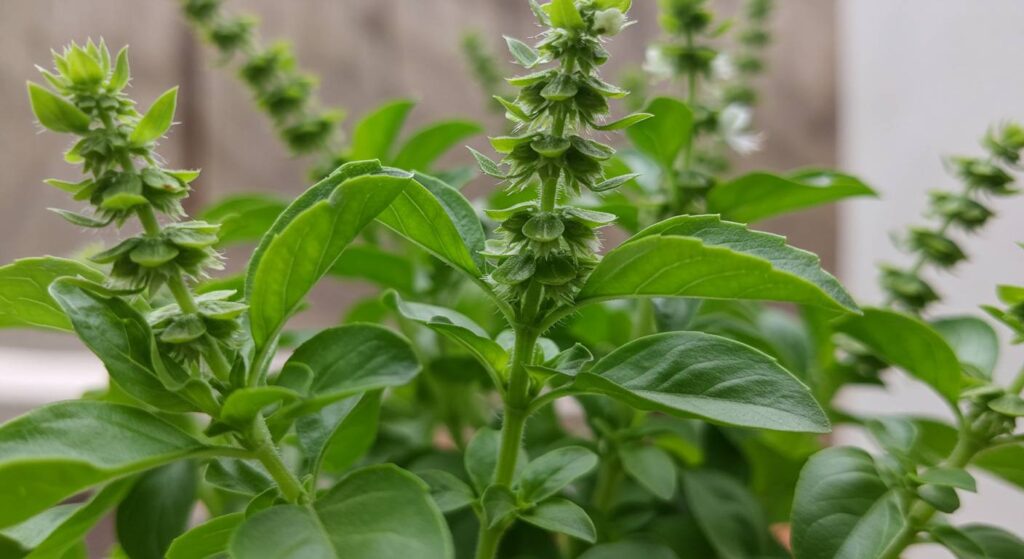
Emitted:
<point x="121" y="338"/>
<point x="374" y="136"/>
<point x="56" y="113"/>
<point x="334" y="438"/>
<point x="481" y="457"/>
<point x="344" y="361"/>
<point x="727" y="513"/>
<point x="692" y="374"/>
<point x="702" y="256"/>
<point x="56" y="530"/>
<point x="157" y="119"/>
<point x="157" y="510"/>
<point x="563" y="516"/>
<point x="978" y="541"/>
<point x="618" y="550"/>
<point x="243" y="218"/>
<point x="439" y="219"/>
<point x="379" y="512"/>
<point x="651" y="467"/>
<point x="307" y="239"/>
<point x="842" y="508"/>
<point x="909" y="344"/>
<point x="758" y="196"/>
<point x="457" y="327"/>
<point x="209" y="539"/>
<point x="427" y="145"/>
<point x="25" y="301"/>
<point x="551" y="472"/>
<point x="449" y="492"/>
<point x="663" y="135"/>
<point x="1005" y="461"/>
<point x="372" y="264"/>
<point x="53" y="452"/>
<point x="975" y="343"/>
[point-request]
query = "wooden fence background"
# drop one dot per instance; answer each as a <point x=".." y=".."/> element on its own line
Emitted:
<point x="367" y="51"/>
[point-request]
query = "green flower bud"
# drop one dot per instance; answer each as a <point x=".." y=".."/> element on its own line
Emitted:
<point x="1006" y="142"/>
<point x="943" y="498"/>
<point x="907" y="288"/>
<point x="960" y="210"/>
<point x="231" y="35"/>
<point x="983" y="175"/>
<point x="201" y="10"/>
<point x="936" y="247"/>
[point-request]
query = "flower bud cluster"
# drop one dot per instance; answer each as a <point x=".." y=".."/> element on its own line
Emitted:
<point x="963" y="210"/>
<point x="545" y="249"/>
<point x="186" y="333"/>
<point x="124" y="179"/>
<point x="753" y="38"/>
<point x="283" y="92"/>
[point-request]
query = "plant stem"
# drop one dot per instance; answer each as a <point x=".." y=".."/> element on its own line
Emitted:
<point x="516" y="411"/>
<point x="262" y="445"/>
<point x="920" y="511"/>
<point x="608" y="477"/>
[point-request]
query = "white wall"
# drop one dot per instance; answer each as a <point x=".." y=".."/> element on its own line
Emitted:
<point x="919" y="79"/>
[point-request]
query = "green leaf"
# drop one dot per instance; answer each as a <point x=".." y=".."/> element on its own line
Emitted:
<point x="209" y="539"/>
<point x="487" y="165"/>
<point x="692" y="374"/>
<point x="457" y="327"/>
<point x="238" y="476"/>
<point x="81" y="220"/>
<point x="909" y="344"/>
<point x="121" y="338"/>
<point x="449" y="492"/>
<point x="481" y="457"/>
<point x="344" y="361"/>
<point x="651" y="467"/>
<point x="157" y="119"/>
<point x="379" y="512"/>
<point x="628" y="549"/>
<point x="1010" y="405"/>
<point x="550" y="473"/>
<point x="702" y="256"/>
<point x="56" y="530"/>
<point x="663" y="136"/>
<point x="428" y="144"/>
<point x="624" y="122"/>
<point x="56" y="451"/>
<point x="56" y="113"/>
<point x="949" y="477"/>
<point x="439" y="219"/>
<point x="522" y="52"/>
<point x="243" y="218"/>
<point x="25" y="301"/>
<point x="975" y="342"/>
<point x="383" y="268"/>
<point x="242" y="405"/>
<point x="758" y="196"/>
<point x="498" y="504"/>
<point x="374" y="136"/>
<point x="727" y="513"/>
<point x="843" y="509"/>
<point x="122" y="73"/>
<point x="563" y="13"/>
<point x="308" y="238"/>
<point x="978" y="541"/>
<point x="562" y="516"/>
<point x="336" y="437"/>
<point x="157" y="510"/>
<point x="1005" y="461"/>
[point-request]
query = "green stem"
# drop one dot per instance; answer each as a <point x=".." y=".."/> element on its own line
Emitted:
<point x="920" y="511"/>
<point x="262" y="445"/>
<point x="516" y="411"/>
<point x="608" y="477"/>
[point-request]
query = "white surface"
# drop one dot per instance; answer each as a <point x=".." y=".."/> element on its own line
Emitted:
<point x="920" y="79"/>
<point x="32" y="377"/>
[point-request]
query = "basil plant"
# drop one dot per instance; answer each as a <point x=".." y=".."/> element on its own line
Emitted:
<point x="514" y="390"/>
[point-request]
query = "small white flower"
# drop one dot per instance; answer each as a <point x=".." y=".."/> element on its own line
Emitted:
<point x="609" y="22"/>
<point x="722" y="67"/>
<point x="733" y="124"/>
<point x="657" y="64"/>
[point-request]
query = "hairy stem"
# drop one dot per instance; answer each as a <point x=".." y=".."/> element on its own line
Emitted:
<point x="262" y="445"/>
<point x="920" y="511"/>
<point x="516" y="412"/>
